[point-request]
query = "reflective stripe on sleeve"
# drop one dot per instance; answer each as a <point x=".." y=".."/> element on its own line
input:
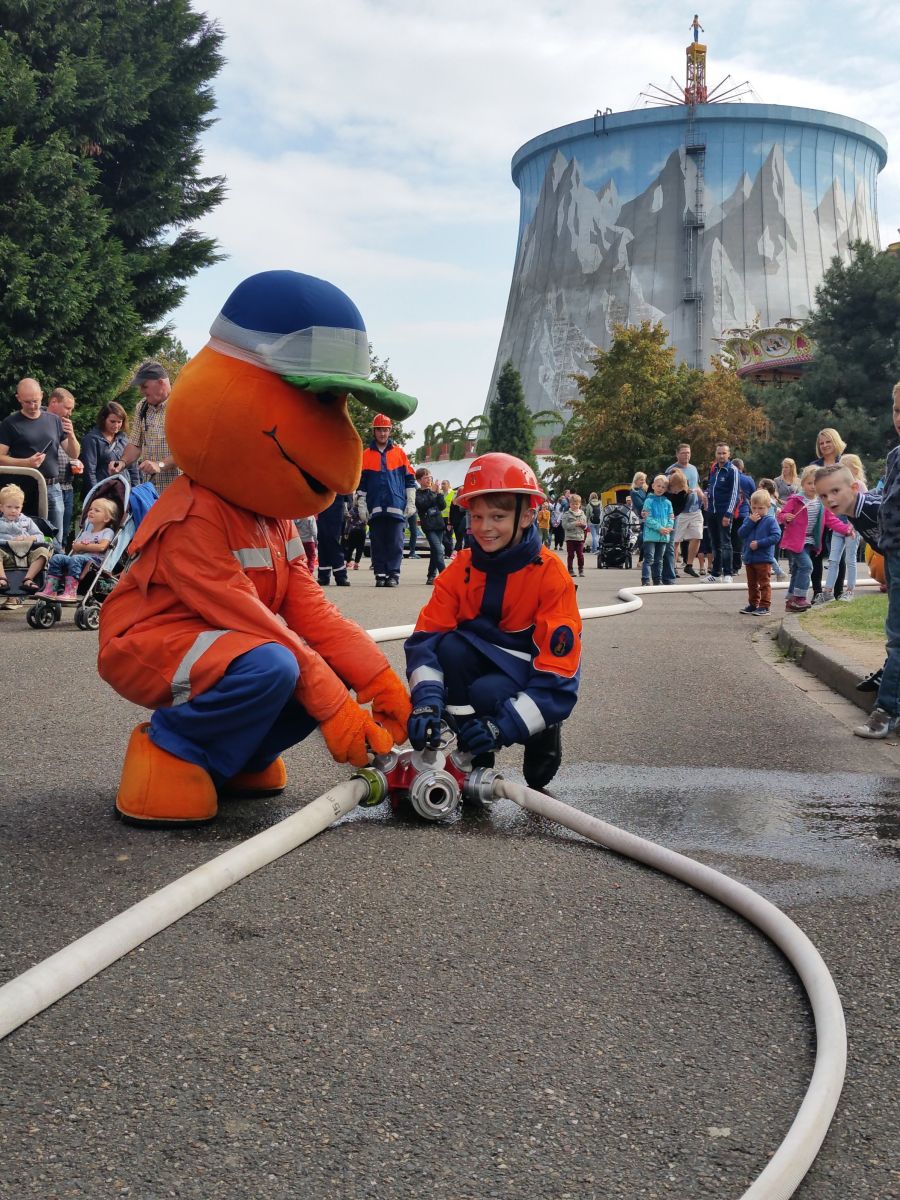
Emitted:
<point x="425" y="675"/>
<point x="181" y="680"/>
<point x="294" y="549"/>
<point x="515" y="653"/>
<point x="529" y="713"/>
<point x="254" y="556"/>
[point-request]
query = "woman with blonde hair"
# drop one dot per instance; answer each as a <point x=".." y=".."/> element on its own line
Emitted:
<point x="638" y="496"/>
<point x="787" y="483"/>
<point x="829" y="447"/>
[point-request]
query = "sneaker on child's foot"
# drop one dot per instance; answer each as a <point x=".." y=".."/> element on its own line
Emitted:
<point x="880" y="724"/>
<point x="689" y="570"/>
<point x="712" y="579"/>
<point x="761" y="612"/>
<point x="801" y="604"/>
<point x="847" y="596"/>
<point x="823" y="597"/>
<point x="728" y="579"/>
<point x="749" y="609"/>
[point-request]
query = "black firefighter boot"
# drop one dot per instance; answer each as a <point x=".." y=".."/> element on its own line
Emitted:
<point x="340" y="577"/>
<point x="324" y="576"/>
<point x="543" y="756"/>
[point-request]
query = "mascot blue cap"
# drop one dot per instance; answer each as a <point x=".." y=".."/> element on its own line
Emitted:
<point x="307" y="331"/>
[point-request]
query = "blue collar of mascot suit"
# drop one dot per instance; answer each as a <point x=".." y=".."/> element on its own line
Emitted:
<point x="511" y="558"/>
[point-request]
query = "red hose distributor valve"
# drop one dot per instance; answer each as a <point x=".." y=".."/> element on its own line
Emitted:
<point x="434" y="782"/>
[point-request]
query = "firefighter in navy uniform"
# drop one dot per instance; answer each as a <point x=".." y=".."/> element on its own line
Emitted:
<point x="387" y="496"/>
<point x="496" y="651"/>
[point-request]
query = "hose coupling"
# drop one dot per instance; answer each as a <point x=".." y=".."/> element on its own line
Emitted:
<point x="377" y="784"/>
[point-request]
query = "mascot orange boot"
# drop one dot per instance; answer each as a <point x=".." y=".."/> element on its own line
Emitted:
<point x="216" y="625"/>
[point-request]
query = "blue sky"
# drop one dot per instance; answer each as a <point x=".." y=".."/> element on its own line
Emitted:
<point x="369" y="141"/>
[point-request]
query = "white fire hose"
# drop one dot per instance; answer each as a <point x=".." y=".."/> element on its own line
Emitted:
<point x="35" y="990"/>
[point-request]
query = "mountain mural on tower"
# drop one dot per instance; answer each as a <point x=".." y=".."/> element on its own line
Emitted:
<point x="588" y="260"/>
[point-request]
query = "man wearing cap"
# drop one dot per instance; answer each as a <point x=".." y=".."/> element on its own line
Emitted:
<point x="148" y="438"/>
<point x="388" y="493"/>
<point x="32" y="438"/>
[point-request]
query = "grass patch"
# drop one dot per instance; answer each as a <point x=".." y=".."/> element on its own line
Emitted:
<point x="863" y="619"/>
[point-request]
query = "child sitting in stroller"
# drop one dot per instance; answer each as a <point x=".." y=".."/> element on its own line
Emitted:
<point x="87" y="550"/>
<point x="16" y="528"/>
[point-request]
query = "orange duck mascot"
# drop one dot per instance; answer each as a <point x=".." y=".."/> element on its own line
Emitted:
<point x="217" y="625"/>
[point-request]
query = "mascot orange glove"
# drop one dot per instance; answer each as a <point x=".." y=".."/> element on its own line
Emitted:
<point x="390" y="702"/>
<point x="352" y="732"/>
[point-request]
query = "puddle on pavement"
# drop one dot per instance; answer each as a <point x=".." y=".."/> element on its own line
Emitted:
<point x="798" y="836"/>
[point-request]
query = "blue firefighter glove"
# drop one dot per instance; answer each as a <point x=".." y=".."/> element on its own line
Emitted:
<point x="424" y="726"/>
<point x="477" y="735"/>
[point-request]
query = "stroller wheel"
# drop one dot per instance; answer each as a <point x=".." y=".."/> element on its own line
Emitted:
<point x="87" y="616"/>
<point x="42" y="615"/>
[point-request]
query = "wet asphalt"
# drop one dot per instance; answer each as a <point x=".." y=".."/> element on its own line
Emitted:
<point x="487" y="1008"/>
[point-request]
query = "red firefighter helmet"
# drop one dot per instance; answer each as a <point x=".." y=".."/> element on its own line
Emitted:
<point x="496" y="472"/>
<point x="380" y="421"/>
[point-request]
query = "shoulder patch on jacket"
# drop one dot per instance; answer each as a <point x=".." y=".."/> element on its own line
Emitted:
<point x="562" y="641"/>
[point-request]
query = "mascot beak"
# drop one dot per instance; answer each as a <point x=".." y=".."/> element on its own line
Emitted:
<point x="375" y="396"/>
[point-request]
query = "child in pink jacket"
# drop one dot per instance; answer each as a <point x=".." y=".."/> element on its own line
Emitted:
<point x="804" y="519"/>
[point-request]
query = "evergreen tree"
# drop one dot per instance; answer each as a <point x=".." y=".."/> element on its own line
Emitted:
<point x="102" y="103"/>
<point x="856" y="326"/>
<point x="510" y="427"/>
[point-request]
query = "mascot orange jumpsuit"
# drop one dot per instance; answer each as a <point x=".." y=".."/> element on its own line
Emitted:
<point x="217" y="624"/>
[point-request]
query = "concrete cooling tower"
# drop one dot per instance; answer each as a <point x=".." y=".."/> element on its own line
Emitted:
<point x="705" y="217"/>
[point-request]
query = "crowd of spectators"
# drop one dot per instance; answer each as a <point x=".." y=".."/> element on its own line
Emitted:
<point x="711" y="527"/>
<point x="702" y="522"/>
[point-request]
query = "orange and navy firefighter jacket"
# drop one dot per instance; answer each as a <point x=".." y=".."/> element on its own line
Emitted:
<point x="386" y="479"/>
<point x="518" y="608"/>
<point x="210" y="582"/>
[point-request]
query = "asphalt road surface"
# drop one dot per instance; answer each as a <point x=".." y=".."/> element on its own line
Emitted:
<point x="488" y="1008"/>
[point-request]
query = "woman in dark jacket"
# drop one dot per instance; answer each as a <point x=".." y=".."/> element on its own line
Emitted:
<point x="430" y="508"/>
<point x="105" y="443"/>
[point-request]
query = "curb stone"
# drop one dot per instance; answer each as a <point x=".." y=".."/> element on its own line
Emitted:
<point x="839" y="673"/>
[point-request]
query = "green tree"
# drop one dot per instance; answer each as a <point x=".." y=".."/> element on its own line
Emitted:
<point x="639" y="404"/>
<point x="510" y="428"/>
<point x="624" y="416"/>
<point x="361" y="416"/>
<point x="102" y="103"/>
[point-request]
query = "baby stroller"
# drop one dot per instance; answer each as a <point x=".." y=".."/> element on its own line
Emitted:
<point x="34" y="486"/>
<point x="96" y="583"/>
<point x="618" y="537"/>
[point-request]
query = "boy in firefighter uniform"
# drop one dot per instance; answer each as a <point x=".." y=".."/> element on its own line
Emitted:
<point x="497" y="649"/>
<point x="216" y="624"/>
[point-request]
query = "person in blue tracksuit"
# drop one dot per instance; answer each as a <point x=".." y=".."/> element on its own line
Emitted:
<point x="387" y="492"/>
<point x="722" y="494"/>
